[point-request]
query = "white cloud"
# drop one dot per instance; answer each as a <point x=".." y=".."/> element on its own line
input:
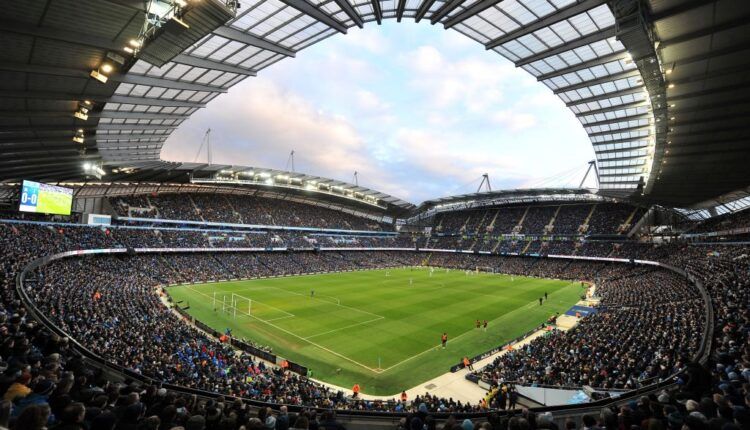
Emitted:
<point x="514" y="121"/>
<point x="372" y="41"/>
<point x="446" y="157"/>
<point x="369" y="101"/>
<point x="261" y="125"/>
<point x="417" y="113"/>
<point x="474" y="83"/>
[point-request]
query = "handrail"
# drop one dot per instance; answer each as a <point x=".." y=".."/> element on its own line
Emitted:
<point x="670" y="382"/>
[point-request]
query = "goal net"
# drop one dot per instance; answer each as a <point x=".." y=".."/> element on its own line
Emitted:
<point x="233" y="304"/>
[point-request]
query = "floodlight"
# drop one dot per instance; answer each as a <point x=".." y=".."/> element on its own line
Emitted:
<point x="78" y="139"/>
<point x="99" y="76"/>
<point x="106" y="68"/>
<point x="671" y="85"/>
<point x="86" y="166"/>
<point x="134" y="43"/>
<point x="81" y="115"/>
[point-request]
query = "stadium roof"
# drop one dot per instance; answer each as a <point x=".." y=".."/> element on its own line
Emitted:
<point x="605" y="60"/>
<point x="260" y="178"/>
<point x="503" y="197"/>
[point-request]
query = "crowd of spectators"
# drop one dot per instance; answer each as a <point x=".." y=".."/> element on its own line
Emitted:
<point x="537" y="219"/>
<point x="570" y="218"/>
<point x="613" y="218"/>
<point x="728" y="222"/>
<point x="237" y="209"/>
<point x="648" y="326"/>
<point x="566" y="219"/>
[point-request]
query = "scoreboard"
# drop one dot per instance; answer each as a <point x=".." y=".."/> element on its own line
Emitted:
<point x="44" y="198"/>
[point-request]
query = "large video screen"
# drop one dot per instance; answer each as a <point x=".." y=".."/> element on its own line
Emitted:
<point x="46" y="199"/>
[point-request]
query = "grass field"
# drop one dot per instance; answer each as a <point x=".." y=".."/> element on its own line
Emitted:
<point x="379" y="328"/>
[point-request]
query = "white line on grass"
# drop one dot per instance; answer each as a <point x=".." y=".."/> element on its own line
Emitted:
<point x="345" y="327"/>
<point x="529" y="305"/>
<point x="337" y="304"/>
<point x="300" y="337"/>
<point x="280" y="318"/>
<point x="289" y="314"/>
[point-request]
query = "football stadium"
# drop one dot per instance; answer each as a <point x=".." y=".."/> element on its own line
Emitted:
<point x="143" y="290"/>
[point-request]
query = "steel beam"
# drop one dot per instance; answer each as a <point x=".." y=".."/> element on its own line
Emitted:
<point x="603" y="80"/>
<point x="252" y="40"/>
<point x="400" y="10"/>
<point x="141" y="139"/>
<point x="603" y="34"/>
<point x="606" y="96"/>
<point x="616" y="120"/>
<point x="50" y="95"/>
<point x="72" y="127"/>
<point x="611" y="151"/>
<point x="423" y="9"/>
<point x="311" y="10"/>
<point x="376" y="10"/>
<point x="555" y="17"/>
<point x="625" y="139"/>
<point x="136" y="115"/>
<point x="350" y="12"/>
<point x="129" y="78"/>
<point x="211" y="65"/>
<point x="621" y="130"/>
<point x="102" y="114"/>
<point x="469" y="12"/>
<point x="447" y="7"/>
<point x="615" y="56"/>
<point x="614" y="108"/>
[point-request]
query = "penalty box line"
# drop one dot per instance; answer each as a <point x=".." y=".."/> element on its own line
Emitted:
<point x="529" y="305"/>
<point x="288" y="314"/>
<point x="305" y="295"/>
<point x="302" y="338"/>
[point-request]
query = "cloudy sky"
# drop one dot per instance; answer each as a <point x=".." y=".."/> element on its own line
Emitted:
<point x="418" y="111"/>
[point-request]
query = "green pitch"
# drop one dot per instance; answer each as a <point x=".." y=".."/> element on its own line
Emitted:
<point x="378" y="328"/>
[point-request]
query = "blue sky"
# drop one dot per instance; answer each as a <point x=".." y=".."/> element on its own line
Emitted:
<point x="418" y="111"/>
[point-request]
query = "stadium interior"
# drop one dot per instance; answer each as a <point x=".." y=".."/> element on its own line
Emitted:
<point x="99" y="233"/>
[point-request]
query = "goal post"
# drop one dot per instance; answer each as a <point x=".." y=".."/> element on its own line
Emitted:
<point x="242" y="304"/>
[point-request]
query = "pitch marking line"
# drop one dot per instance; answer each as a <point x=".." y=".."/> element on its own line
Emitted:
<point x="305" y="295"/>
<point x="345" y="327"/>
<point x="289" y="314"/>
<point x="279" y="318"/>
<point x="301" y="338"/>
<point x="529" y="305"/>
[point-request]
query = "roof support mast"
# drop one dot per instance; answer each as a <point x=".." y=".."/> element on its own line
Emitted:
<point x="485" y="183"/>
<point x="592" y="164"/>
